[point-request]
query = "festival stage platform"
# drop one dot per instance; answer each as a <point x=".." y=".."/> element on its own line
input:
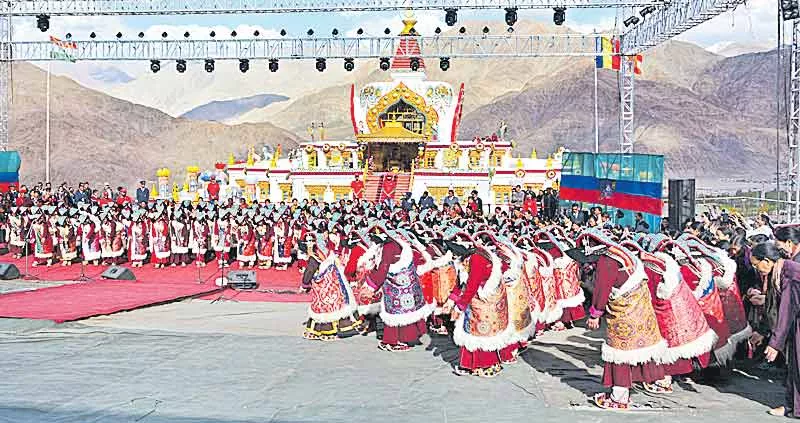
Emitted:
<point x="98" y="296"/>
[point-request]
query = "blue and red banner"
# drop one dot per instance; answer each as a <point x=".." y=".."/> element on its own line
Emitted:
<point x="643" y="197"/>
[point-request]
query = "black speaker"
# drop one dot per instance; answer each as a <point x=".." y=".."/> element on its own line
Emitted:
<point x="8" y="271"/>
<point x="681" y="202"/>
<point x="242" y="279"/>
<point x="118" y="273"/>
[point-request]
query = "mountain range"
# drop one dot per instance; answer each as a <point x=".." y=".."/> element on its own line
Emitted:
<point x="710" y="114"/>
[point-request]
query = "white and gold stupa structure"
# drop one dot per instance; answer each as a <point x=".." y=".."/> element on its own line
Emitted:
<point x="408" y="127"/>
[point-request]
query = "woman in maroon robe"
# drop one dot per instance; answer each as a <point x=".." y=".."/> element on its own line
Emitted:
<point x="784" y="277"/>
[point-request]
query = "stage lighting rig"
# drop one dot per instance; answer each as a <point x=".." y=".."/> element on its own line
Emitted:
<point x="414" y="63"/>
<point x="43" y="22"/>
<point x="511" y="16"/>
<point x="647" y="10"/>
<point x="450" y="16"/>
<point x="180" y="65"/>
<point x="209" y="65"/>
<point x="444" y="64"/>
<point x="632" y="20"/>
<point x="559" y="15"/>
<point x="321" y="65"/>
<point x="349" y="65"/>
<point x="273" y="65"/>
<point x="789" y="9"/>
<point x="244" y="65"/>
<point x="385" y="64"/>
<point x="155" y="66"/>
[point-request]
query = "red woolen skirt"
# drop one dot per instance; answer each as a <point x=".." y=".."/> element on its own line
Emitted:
<point x="408" y="334"/>
<point x="478" y="359"/>
<point x="572" y="314"/>
<point x="625" y="375"/>
<point x="507" y="353"/>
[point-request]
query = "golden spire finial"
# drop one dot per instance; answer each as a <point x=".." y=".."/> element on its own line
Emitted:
<point x="409" y="20"/>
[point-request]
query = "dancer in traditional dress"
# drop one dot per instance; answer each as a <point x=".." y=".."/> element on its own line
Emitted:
<point x="90" y="237"/>
<point x="180" y="232"/>
<point x="67" y="241"/>
<point x="112" y="239"/>
<point x="264" y="237"/>
<point x="622" y="297"/>
<point x="282" y="247"/>
<point x="138" y="238"/>
<point x="221" y="238"/>
<point x="42" y="239"/>
<point x="246" y="237"/>
<point x="18" y="229"/>
<point x="200" y="238"/>
<point x="160" y="238"/>
<point x="567" y="277"/>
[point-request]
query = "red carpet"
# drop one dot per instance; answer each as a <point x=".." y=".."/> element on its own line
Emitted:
<point x="79" y="301"/>
<point x="257" y="296"/>
<point x="267" y="279"/>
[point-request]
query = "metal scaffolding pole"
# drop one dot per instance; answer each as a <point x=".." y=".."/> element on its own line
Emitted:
<point x="626" y="125"/>
<point x="5" y="80"/>
<point x="199" y="7"/>
<point x="794" y="123"/>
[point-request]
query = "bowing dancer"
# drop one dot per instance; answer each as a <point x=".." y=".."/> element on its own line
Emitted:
<point x="566" y="272"/>
<point x="333" y="310"/>
<point x="403" y="309"/>
<point x="622" y="297"/>
<point x="479" y="309"/>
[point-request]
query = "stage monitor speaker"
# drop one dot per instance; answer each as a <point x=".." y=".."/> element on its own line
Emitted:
<point x="681" y="202"/>
<point x="242" y="279"/>
<point x="8" y="271"/>
<point x="118" y="273"/>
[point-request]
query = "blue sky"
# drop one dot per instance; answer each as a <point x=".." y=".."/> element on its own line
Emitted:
<point x="754" y="23"/>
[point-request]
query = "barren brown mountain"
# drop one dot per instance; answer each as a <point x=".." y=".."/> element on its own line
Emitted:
<point x="97" y="138"/>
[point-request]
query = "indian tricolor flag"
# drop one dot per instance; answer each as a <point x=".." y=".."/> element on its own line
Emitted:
<point x="65" y="50"/>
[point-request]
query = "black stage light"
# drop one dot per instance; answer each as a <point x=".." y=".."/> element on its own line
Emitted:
<point x="632" y="20"/>
<point x="213" y="34"/>
<point x="209" y="65"/>
<point x="486" y="30"/>
<point x="273" y="65"/>
<point x="186" y="34"/>
<point x="43" y="22"/>
<point x="119" y="35"/>
<point x="437" y="30"/>
<point x="360" y="31"/>
<point x="155" y="65"/>
<point x="559" y="15"/>
<point x="335" y="32"/>
<point x="92" y="35"/>
<point x="450" y="16"/>
<point x="385" y="64"/>
<point x="414" y="63"/>
<point x="444" y="63"/>
<point x="647" y="10"/>
<point x="511" y="16"/>
<point x="387" y="31"/>
<point x="283" y="32"/>
<point x="244" y="65"/>
<point x="141" y="34"/>
<point x="349" y="65"/>
<point x="462" y="30"/>
<point x="789" y="9"/>
<point x="68" y="36"/>
<point x="310" y="32"/>
<point x="164" y="34"/>
<point x="233" y="33"/>
<point x="180" y="65"/>
<point x="321" y="65"/>
<point x="256" y="33"/>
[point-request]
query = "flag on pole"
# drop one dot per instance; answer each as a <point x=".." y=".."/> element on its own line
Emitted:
<point x="65" y="50"/>
<point x="637" y="64"/>
<point x="608" y="50"/>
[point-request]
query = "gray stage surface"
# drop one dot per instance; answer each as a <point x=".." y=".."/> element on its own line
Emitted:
<point x="196" y="361"/>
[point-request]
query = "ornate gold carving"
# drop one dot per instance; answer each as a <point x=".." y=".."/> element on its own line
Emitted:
<point x="401" y="91"/>
<point x="241" y="183"/>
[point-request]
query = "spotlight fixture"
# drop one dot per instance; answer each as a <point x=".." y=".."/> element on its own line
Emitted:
<point x="244" y="65"/>
<point x="186" y="34"/>
<point x="213" y="34"/>
<point x="209" y="65"/>
<point x="92" y="35"/>
<point x="164" y="34"/>
<point x="789" y="9"/>
<point x="233" y="33"/>
<point x="141" y="34"/>
<point x="450" y="16"/>
<point x="360" y="31"/>
<point x="414" y="63"/>
<point x="486" y="30"/>
<point x="349" y="65"/>
<point x="511" y="16"/>
<point x="283" y="32"/>
<point x="437" y="30"/>
<point x="43" y="22"/>
<point x="444" y="64"/>
<point x="631" y="20"/>
<point x="510" y="29"/>
<point x="387" y="31"/>
<point x="155" y="66"/>
<point x="310" y="32"/>
<point x="119" y="35"/>
<point x="335" y="32"/>
<point x="462" y="30"/>
<point x="321" y="64"/>
<point x="647" y="10"/>
<point x="68" y="36"/>
<point x="559" y="15"/>
<point x="273" y="65"/>
<point x="256" y="33"/>
<point x="384" y="65"/>
<point x="180" y="65"/>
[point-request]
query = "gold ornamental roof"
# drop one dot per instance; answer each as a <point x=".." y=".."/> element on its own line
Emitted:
<point x="392" y="131"/>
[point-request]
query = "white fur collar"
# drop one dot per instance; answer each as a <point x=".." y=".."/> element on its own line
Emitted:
<point x="511" y="276"/>
<point x="369" y="260"/>
<point x="729" y="272"/>
<point x="406" y="257"/>
<point x="637" y="276"/>
<point x="706" y="278"/>
<point x="670" y="278"/>
<point x="562" y="262"/>
<point x="490" y="287"/>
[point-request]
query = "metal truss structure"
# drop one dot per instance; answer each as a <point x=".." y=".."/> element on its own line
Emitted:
<point x="465" y="46"/>
<point x="670" y="20"/>
<point x="195" y="7"/>
<point x="794" y="124"/>
<point x="626" y="126"/>
<point x="5" y="80"/>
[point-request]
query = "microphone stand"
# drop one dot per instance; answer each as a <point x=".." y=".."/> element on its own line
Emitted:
<point x="222" y="296"/>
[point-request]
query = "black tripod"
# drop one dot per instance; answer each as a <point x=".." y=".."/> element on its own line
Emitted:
<point x="222" y="296"/>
